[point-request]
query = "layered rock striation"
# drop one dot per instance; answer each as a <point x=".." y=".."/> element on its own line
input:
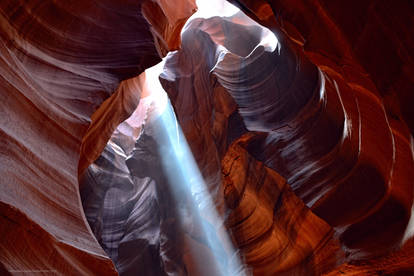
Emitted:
<point x="302" y="133"/>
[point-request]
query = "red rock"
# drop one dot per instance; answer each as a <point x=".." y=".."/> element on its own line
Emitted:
<point x="59" y="61"/>
<point x="328" y="178"/>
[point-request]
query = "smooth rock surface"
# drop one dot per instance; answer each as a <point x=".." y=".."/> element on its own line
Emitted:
<point x="59" y="62"/>
<point x="306" y="148"/>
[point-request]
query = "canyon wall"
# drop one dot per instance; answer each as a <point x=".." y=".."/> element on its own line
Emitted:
<point x="59" y="62"/>
<point x="307" y="148"/>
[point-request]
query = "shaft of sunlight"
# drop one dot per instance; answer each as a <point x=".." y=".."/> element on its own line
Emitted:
<point x="186" y="179"/>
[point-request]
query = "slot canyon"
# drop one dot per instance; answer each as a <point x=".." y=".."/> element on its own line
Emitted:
<point x="204" y="138"/>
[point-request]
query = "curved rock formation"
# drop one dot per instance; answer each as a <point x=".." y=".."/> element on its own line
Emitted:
<point x="374" y="197"/>
<point x="129" y="206"/>
<point x="304" y="142"/>
<point x="59" y="61"/>
<point x="326" y="145"/>
<point x="276" y="232"/>
<point x="259" y="227"/>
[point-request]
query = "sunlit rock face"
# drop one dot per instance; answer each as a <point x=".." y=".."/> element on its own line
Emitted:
<point x="276" y="232"/>
<point x="304" y="142"/>
<point x="129" y="206"/>
<point x="59" y="62"/>
<point x="356" y="174"/>
<point x="326" y="145"/>
<point x="194" y="77"/>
